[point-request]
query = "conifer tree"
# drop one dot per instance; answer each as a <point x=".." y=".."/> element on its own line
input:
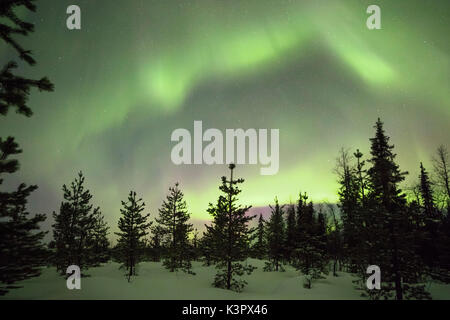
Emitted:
<point x="21" y="249"/>
<point x="22" y="252"/>
<point x="289" y="245"/>
<point x="173" y="221"/>
<point x="260" y="247"/>
<point x="230" y="235"/>
<point x="275" y="234"/>
<point x="79" y="231"/>
<point x="390" y="220"/>
<point x="15" y="90"/>
<point x="133" y="228"/>
<point x="310" y="256"/>
<point x="299" y="225"/>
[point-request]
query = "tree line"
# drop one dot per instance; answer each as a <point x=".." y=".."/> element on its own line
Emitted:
<point x="406" y="234"/>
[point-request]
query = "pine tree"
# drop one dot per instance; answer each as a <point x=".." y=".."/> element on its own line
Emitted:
<point x="173" y="221"/>
<point x="300" y="208"/>
<point x="290" y="232"/>
<point x="133" y="228"/>
<point x="260" y="246"/>
<point x="15" y="90"/>
<point x="390" y="220"/>
<point x="230" y="236"/>
<point x="275" y="235"/>
<point x="21" y="250"/>
<point x="310" y="256"/>
<point x="79" y="231"/>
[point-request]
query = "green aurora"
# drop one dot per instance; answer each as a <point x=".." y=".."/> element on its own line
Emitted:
<point x="139" y="69"/>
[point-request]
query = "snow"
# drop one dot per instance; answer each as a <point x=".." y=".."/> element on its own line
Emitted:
<point x="155" y="282"/>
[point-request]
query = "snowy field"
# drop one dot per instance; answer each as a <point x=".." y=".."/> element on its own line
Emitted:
<point x="155" y="282"/>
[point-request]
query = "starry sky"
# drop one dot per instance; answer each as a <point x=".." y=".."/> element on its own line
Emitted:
<point x="139" y="69"/>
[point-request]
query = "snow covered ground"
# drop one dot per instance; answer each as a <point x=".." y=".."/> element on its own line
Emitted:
<point x="155" y="282"/>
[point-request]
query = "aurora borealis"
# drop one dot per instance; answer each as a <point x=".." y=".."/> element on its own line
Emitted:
<point x="139" y="69"/>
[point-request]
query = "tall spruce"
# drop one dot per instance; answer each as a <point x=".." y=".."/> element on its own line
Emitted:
<point x="230" y="236"/>
<point x="275" y="234"/>
<point x="79" y="231"/>
<point x="21" y="249"/>
<point x="289" y="245"/>
<point x="260" y="246"/>
<point x="133" y="228"/>
<point x="390" y="220"/>
<point x="173" y="221"/>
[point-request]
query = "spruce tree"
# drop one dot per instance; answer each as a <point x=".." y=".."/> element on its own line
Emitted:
<point x="15" y="90"/>
<point x="390" y="220"/>
<point x="79" y="231"/>
<point x="133" y="228"/>
<point x="275" y="235"/>
<point x="230" y="236"/>
<point x="310" y="256"/>
<point x="260" y="246"/>
<point x="289" y="245"/>
<point x="21" y="250"/>
<point x="173" y="221"/>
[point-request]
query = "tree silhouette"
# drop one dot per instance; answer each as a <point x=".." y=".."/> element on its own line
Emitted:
<point x="21" y="251"/>
<point x="79" y="231"/>
<point x="230" y="236"/>
<point x="260" y="246"/>
<point x="15" y="90"/>
<point x="275" y="234"/>
<point x="289" y="244"/>
<point x="133" y="228"/>
<point x="173" y="221"/>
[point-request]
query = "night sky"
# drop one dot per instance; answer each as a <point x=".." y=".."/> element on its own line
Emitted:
<point x="139" y="69"/>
